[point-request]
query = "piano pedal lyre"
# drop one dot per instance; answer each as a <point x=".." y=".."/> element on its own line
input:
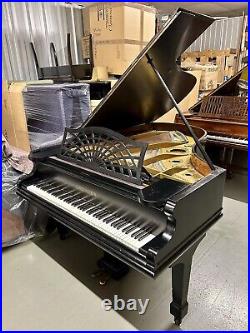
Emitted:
<point x="109" y="268"/>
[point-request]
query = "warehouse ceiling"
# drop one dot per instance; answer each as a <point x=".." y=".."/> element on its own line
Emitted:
<point x="211" y="8"/>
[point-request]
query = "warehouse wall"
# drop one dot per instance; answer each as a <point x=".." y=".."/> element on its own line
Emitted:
<point x="45" y="22"/>
<point x="221" y="35"/>
<point x="41" y="23"/>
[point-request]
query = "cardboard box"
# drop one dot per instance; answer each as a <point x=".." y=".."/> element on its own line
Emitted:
<point x="14" y="119"/>
<point x="209" y="79"/>
<point x="209" y="75"/>
<point x="119" y="32"/>
<point x="116" y="57"/>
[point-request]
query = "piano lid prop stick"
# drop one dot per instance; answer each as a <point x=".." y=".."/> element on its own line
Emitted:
<point x="202" y="150"/>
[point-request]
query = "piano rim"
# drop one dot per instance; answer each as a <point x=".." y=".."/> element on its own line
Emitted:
<point x="164" y="126"/>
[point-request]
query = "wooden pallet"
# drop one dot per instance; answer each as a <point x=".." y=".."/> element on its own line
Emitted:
<point x="226" y="60"/>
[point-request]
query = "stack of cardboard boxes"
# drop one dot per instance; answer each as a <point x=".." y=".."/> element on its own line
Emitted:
<point x="119" y="32"/>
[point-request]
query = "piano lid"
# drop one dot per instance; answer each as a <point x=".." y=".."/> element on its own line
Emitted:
<point x="139" y="97"/>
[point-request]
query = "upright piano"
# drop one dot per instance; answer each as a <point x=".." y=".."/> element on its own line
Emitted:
<point x="223" y="113"/>
<point x="146" y="193"/>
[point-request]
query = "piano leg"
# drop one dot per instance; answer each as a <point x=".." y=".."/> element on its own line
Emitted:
<point x="229" y="163"/>
<point x="181" y="270"/>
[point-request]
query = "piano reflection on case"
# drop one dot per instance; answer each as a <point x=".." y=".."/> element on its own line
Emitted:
<point x="224" y="115"/>
<point x="146" y="193"/>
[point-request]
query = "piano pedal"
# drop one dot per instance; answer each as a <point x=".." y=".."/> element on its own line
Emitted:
<point x="105" y="277"/>
<point x="102" y="275"/>
<point x="110" y="268"/>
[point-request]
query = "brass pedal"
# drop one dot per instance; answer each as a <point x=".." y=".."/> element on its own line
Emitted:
<point x="102" y="276"/>
<point x="104" y="279"/>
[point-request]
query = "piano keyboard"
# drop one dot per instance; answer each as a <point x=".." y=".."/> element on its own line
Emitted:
<point x="125" y="228"/>
<point x="228" y="139"/>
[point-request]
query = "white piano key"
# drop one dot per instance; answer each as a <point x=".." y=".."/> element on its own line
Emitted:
<point x="226" y="139"/>
<point x="97" y="223"/>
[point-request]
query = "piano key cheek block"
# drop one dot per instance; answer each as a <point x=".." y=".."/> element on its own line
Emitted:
<point x="144" y="192"/>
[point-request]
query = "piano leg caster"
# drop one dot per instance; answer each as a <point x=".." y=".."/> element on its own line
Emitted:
<point x="181" y="270"/>
<point x="110" y="267"/>
<point x="177" y="321"/>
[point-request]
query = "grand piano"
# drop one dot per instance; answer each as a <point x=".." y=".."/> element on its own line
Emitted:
<point x="146" y="193"/>
<point x="223" y="113"/>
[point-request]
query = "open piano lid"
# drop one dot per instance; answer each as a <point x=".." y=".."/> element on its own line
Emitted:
<point x="139" y="97"/>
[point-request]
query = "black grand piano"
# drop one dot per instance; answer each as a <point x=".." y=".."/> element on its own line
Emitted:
<point x="146" y="193"/>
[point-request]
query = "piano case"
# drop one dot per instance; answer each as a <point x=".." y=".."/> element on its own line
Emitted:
<point x="97" y="183"/>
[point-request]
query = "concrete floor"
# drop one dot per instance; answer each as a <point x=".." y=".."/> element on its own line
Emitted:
<point x="47" y="284"/>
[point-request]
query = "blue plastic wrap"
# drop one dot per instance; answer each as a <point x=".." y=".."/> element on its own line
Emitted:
<point x="51" y="108"/>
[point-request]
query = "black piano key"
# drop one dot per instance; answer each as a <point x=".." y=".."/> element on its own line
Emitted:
<point x="42" y="182"/>
<point x="110" y="219"/>
<point x="62" y="193"/>
<point x="59" y="190"/>
<point x="107" y="213"/>
<point x="98" y="214"/>
<point x="46" y="185"/>
<point x="51" y="189"/>
<point x="147" y="233"/>
<point x="56" y="189"/>
<point x="81" y="201"/>
<point x="95" y="209"/>
<point x="74" y="197"/>
<point x="121" y="223"/>
<point x="138" y="232"/>
<point x="117" y="219"/>
<point x="77" y="201"/>
<point x="66" y="194"/>
<point x="132" y="227"/>
<point x="87" y="205"/>
<point x="143" y="231"/>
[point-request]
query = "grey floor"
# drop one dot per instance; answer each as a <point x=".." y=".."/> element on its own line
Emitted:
<point x="47" y="284"/>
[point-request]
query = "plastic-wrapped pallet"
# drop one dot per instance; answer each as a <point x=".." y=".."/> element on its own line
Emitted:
<point x="51" y="108"/>
<point x="14" y="227"/>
